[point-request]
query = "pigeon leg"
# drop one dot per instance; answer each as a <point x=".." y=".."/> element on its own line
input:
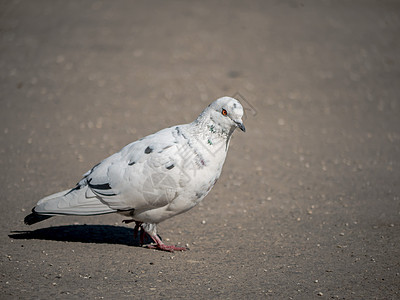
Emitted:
<point x="161" y="246"/>
<point x="142" y="235"/>
<point x="138" y="225"/>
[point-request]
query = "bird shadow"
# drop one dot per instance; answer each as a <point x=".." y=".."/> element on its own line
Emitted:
<point x="98" y="234"/>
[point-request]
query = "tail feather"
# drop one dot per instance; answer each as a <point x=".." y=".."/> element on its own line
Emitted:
<point x="35" y="218"/>
<point x="79" y="202"/>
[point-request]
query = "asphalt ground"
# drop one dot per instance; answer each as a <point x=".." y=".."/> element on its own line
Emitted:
<point x="308" y="204"/>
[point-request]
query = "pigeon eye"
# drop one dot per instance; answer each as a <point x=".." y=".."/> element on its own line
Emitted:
<point x="224" y="112"/>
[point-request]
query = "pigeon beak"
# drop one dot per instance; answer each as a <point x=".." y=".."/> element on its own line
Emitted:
<point x="240" y="125"/>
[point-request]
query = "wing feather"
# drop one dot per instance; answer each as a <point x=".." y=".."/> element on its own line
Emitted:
<point x="142" y="175"/>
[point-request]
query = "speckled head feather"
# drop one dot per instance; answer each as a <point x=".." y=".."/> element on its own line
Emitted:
<point x="226" y="113"/>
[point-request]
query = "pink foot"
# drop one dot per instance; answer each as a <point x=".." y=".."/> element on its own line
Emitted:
<point x="161" y="246"/>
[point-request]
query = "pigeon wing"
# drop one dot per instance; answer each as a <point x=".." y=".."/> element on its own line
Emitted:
<point x="143" y="175"/>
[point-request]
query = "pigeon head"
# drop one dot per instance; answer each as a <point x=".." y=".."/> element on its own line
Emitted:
<point x="227" y="113"/>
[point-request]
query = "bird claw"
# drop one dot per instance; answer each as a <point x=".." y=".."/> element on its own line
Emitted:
<point x="159" y="244"/>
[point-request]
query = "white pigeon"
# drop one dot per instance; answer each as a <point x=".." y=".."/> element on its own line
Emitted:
<point x="155" y="178"/>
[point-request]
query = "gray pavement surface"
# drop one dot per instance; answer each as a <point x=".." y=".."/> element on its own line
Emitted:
<point x="308" y="204"/>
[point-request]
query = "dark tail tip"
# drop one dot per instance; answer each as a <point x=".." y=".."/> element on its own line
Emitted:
<point x="34" y="218"/>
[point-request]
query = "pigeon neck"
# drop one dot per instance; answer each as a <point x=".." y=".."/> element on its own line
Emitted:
<point x="211" y="131"/>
